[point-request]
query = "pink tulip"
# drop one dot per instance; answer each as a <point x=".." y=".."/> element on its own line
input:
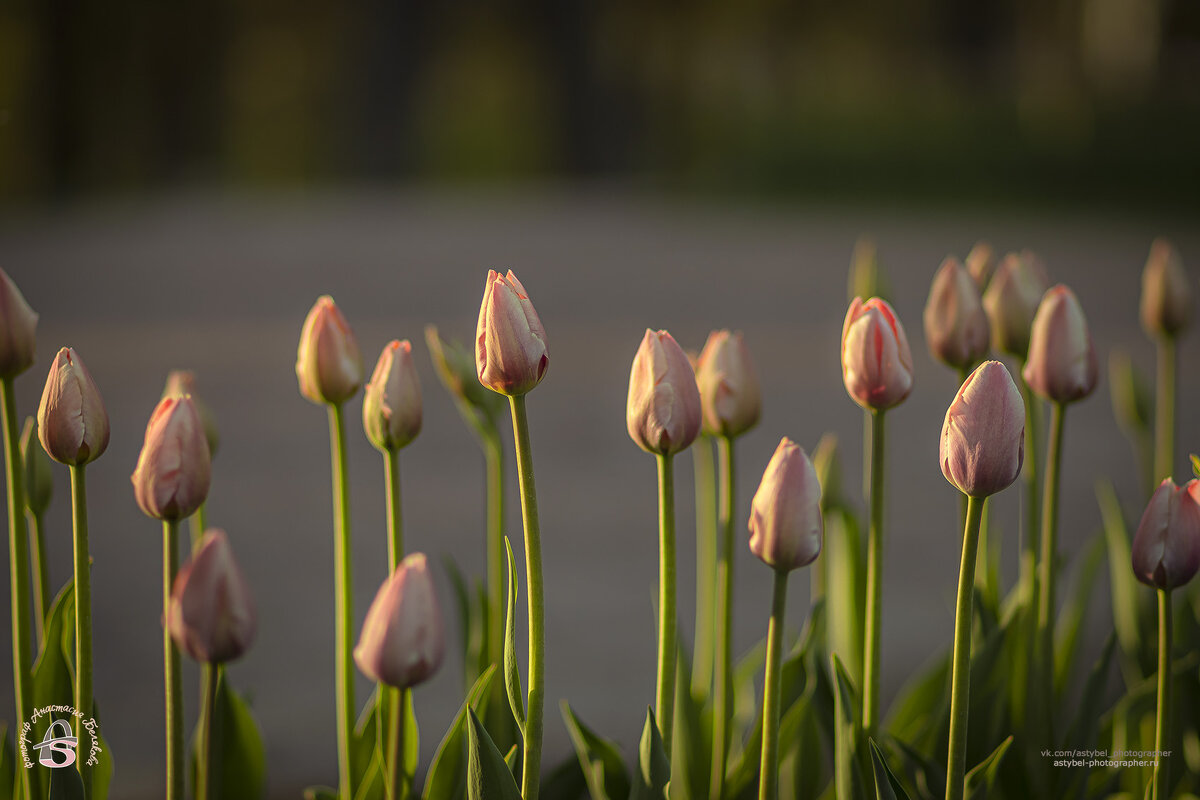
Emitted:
<point x="211" y="615"/>
<point x="1012" y="299"/>
<point x="72" y="422"/>
<point x="402" y="641"/>
<point x="510" y="343"/>
<point x="18" y="324"/>
<point x="1166" y="294"/>
<point x="663" y="411"/>
<point x="1166" y="548"/>
<point x="392" y="400"/>
<point x="174" y="468"/>
<point x="877" y="365"/>
<point x="730" y="397"/>
<point x="956" y="327"/>
<point x="1062" y="361"/>
<point x="328" y="363"/>
<point x="983" y="437"/>
<point x="981" y="263"/>
<point x="182" y="382"/>
<point x="786" y="526"/>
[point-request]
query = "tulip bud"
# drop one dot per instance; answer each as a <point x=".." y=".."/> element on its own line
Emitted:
<point x="392" y="400"/>
<point x="1062" y="361"/>
<point x="877" y="365"/>
<point x="510" y="342"/>
<point x="211" y="615"/>
<point x="402" y="642"/>
<point x="1166" y="548"/>
<point x="983" y="437"/>
<point x="956" y="327"/>
<point x="786" y="526"/>
<point x="663" y="412"/>
<point x="72" y="422"/>
<point x="455" y="367"/>
<point x="828" y="467"/>
<point x="1166" y="294"/>
<point x="1012" y="299"/>
<point x="174" y="468"/>
<point x="39" y="475"/>
<point x="981" y="263"/>
<point x="328" y="363"/>
<point x="18" y="323"/>
<point x="730" y="397"/>
<point x="182" y="382"/>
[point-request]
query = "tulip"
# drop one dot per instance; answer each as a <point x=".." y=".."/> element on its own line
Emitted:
<point x="72" y="422"/>
<point x="173" y="470"/>
<point x="510" y="342"/>
<point x="663" y="412"/>
<point x="1166" y="549"/>
<point x="212" y="616"/>
<point x="392" y="400"/>
<point x="877" y="365"/>
<point x="1012" y="299"/>
<point x="786" y="526"/>
<point x="1166" y="293"/>
<point x="182" y="382"/>
<point x="981" y="263"/>
<point x="729" y="389"/>
<point x="983" y="437"/>
<point x="18" y="323"/>
<point x="402" y="642"/>
<point x="956" y="327"/>
<point x="1062" y="360"/>
<point x="328" y="363"/>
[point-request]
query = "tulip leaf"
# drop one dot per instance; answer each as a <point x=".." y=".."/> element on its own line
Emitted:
<point x="66" y="784"/>
<point x="446" y="779"/>
<point x="602" y="765"/>
<point x="1082" y="732"/>
<point x="653" y="773"/>
<point x="887" y="787"/>
<point x="1069" y="629"/>
<point x="802" y="763"/>
<point x="462" y="604"/>
<point x="914" y="713"/>
<point x="848" y="777"/>
<point x="52" y="681"/>
<point x="1196" y="465"/>
<point x="692" y="753"/>
<point x="239" y="760"/>
<point x="8" y="764"/>
<point x="982" y="778"/>
<point x="488" y="777"/>
<point x="1126" y="599"/>
<point x="564" y="782"/>
<point x="926" y="776"/>
<point x="512" y="676"/>
<point x="844" y="594"/>
<point x="364" y="740"/>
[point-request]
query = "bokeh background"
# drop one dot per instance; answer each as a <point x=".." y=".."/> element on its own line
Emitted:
<point x="179" y="182"/>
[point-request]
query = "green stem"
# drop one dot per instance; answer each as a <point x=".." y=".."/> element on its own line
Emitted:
<point x="664" y="696"/>
<point x="1164" y="413"/>
<point x="706" y="566"/>
<point x="874" y="625"/>
<point x="171" y="677"/>
<point x="210" y="676"/>
<point x="723" y="665"/>
<point x="197" y="525"/>
<point x="494" y="458"/>
<point x="41" y="575"/>
<point x="960" y="688"/>
<point x="1161" y="786"/>
<point x="388" y="700"/>
<point x="343" y="602"/>
<point x="391" y="474"/>
<point x="768" y="773"/>
<point x="531" y="765"/>
<point x="1046" y="567"/>
<point x="18" y="562"/>
<point x="1030" y="537"/>
<point x="83" y="618"/>
<point x="398" y="778"/>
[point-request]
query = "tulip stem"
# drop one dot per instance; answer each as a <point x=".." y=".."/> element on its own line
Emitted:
<point x="531" y="764"/>
<point x="706" y="566"/>
<point x="343" y="602"/>
<point x="391" y="473"/>
<point x="41" y="575"/>
<point x="83" y="619"/>
<point x="1029" y="551"/>
<point x="398" y="778"/>
<point x="960" y="687"/>
<point x="1045" y="589"/>
<point x="198" y="524"/>
<point x="1164" y="413"/>
<point x="1160" y="786"/>
<point x="494" y="457"/>
<point x="205" y="776"/>
<point x="664" y="696"/>
<point x="874" y="623"/>
<point x="723" y="665"/>
<point x="171" y="677"/>
<point x="18" y="561"/>
<point x="768" y="772"/>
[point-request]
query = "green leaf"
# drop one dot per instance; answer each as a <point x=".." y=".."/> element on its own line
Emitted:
<point x="603" y="768"/>
<point x="802" y="765"/>
<point x="102" y="771"/>
<point x="982" y="778"/>
<point x="1126" y="599"/>
<point x="488" y="777"/>
<point x="8" y="764"/>
<point x="564" y="782"/>
<point x="844" y="594"/>
<point x="512" y="676"/>
<point x="848" y="778"/>
<point x="1069" y="628"/>
<point x="364" y="742"/>
<point x="1196" y="465"/>
<point x="52" y="682"/>
<point x="1083" y="728"/>
<point x="916" y="710"/>
<point x="66" y="784"/>
<point x="239" y="760"/>
<point x="446" y="779"/>
<point x="462" y="605"/>
<point x="510" y="758"/>
<point x="692" y="752"/>
<point x="886" y="785"/>
<point x="654" y="771"/>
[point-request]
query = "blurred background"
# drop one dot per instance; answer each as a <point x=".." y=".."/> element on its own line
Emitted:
<point x="179" y="182"/>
